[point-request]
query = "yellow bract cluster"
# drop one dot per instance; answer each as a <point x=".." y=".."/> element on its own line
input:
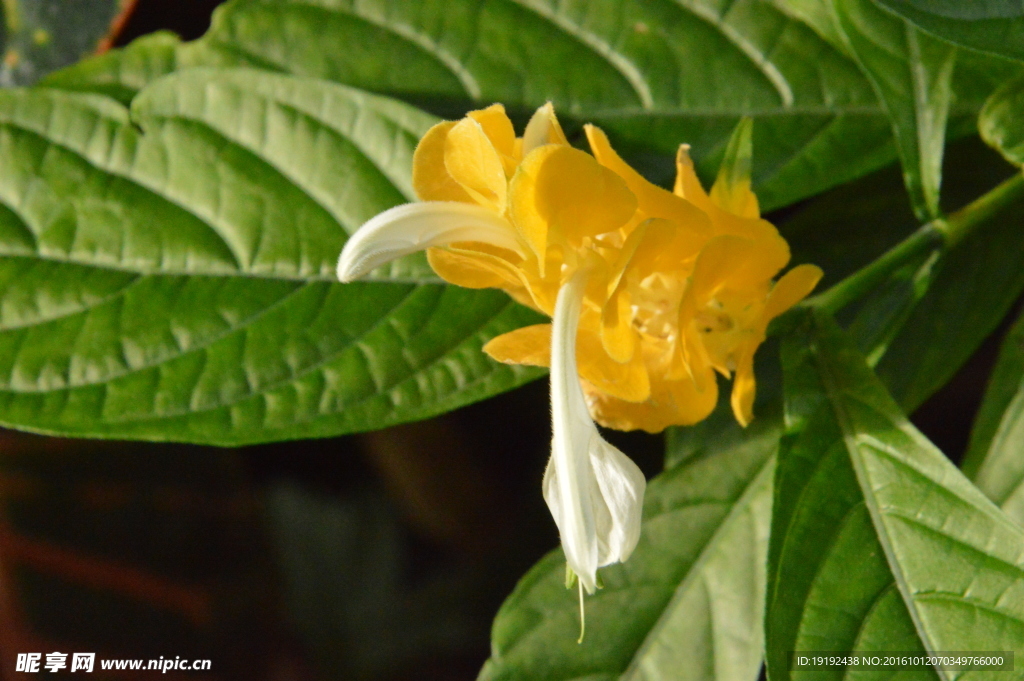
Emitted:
<point x="679" y="283"/>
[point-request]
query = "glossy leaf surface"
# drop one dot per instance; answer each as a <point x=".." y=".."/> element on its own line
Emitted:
<point x="121" y="73"/>
<point x="654" y="75"/>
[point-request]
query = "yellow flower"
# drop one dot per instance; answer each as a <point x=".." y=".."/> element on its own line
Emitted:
<point x="650" y="292"/>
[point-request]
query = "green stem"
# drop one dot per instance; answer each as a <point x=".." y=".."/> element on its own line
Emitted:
<point x="960" y="224"/>
<point x="941" y="233"/>
<point x="929" y="236"/>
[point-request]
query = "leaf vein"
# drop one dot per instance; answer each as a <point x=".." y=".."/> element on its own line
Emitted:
<point x="598" y="46"/>
<point x="127" y="177"/>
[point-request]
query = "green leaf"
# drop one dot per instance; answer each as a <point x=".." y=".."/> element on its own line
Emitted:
<point x="122" y="73"/>
<point x="39" y="36"/>
<point x="686" y="605"/>
<point x="168" y="275"/>
<point x="995" y="26"/>
<point x="653" y="74"/>
<point x="975" y="74"/>
<point x="819" y="15"/>
<point x="878" y="542"/>
<point x="1001" y="123"/>
<point x="912" y="74"/>
<point x="994" y="458"/>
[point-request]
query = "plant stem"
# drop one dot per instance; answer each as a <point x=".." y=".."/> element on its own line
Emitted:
<point x="942" y="233"/>
<point x="960" y="224"/>
<point x="928" y="237"/>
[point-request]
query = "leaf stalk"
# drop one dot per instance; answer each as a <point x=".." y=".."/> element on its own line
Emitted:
<point x="939" y="234"/>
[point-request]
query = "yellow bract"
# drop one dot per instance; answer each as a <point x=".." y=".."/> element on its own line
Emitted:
<point x="679" y="284"/>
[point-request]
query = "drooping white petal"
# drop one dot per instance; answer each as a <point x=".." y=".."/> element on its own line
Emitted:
<point x="593" y="490"/>
<point x="418" y="226"/>
<point x="621" y="484"/>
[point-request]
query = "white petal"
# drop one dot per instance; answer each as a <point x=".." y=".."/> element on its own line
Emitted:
<point x="549" y="487"/>
<point x="594" y="492"/>
<point x="622" y="485"/>
<point x="418" y="226"/>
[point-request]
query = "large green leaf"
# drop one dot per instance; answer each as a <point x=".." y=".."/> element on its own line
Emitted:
<point x="39" y="36"/>
<point x="653" y="74"/>
<point x="995" y="26"/>
<point x="995" y="456"/>
<point x="168" y="275"/>
<point x="912" y="74"/>
<point x="686" y="605"/>
<point x="878" y="542"/>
